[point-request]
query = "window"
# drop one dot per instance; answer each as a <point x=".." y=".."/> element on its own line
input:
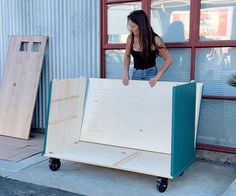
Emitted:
<point x="117" y="20"/>
<point x="170" y="19"/>
<point x="201" y="37"/>
<point x="217" y="20"/>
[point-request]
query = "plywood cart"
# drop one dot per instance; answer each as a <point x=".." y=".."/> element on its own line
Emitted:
<point x="135" y="128"/>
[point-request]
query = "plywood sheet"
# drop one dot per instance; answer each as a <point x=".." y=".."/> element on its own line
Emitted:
<point x="13" y="149"/>
<point x="19" y="85"/>
<point x="150" y="163"/>
<point x="183" y="129"/>
<point x="129" y="116"/>
<point x="65" y="112"/>
<point x="135" y="116"/>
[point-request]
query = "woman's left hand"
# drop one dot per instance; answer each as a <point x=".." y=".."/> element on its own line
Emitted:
<point x="152" y="82"/>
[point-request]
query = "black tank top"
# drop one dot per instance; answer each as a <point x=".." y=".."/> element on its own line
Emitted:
<point x="140" y="62"/>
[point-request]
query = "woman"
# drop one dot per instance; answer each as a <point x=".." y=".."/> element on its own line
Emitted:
<point x="144" y="45"/>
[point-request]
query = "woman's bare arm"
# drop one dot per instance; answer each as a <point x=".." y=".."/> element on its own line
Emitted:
<point x="127" y="61"/>
<point x="167" y="60"/>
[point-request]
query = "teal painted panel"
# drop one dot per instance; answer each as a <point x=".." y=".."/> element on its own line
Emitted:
<point x="47" y="118"/>
<point x="183" y="151"/>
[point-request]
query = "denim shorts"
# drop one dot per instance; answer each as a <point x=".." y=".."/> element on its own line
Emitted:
<point x="144" y="74"/>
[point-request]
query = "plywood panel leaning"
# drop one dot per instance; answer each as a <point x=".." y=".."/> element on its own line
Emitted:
<point x="19" y="84"/>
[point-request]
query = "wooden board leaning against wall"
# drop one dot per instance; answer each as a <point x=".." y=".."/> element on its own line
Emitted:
<point x="19" y="84"/>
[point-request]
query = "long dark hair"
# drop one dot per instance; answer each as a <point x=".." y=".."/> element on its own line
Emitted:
<point x="147" y="35"/>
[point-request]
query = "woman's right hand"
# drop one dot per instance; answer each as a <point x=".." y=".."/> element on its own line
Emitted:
<point x="126" y="81"/>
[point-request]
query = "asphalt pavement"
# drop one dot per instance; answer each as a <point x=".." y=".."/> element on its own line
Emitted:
<point x="10" y="187"/>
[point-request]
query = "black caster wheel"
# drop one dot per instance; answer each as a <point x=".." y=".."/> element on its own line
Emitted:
<point x="181" y="174"/>
<point x="162" y="184"/>
<point x="54" y="164"/>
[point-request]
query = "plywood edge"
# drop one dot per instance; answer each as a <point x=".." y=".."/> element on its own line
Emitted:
<point x="47" y="119"/>
<point x="23" y="136"/>
<point x="199" y="94"/>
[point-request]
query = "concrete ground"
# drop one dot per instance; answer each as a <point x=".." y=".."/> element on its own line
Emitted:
<point x="203" y="178"/>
